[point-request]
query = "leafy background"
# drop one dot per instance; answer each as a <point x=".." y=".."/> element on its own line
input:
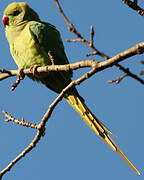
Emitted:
<point x="70" y="150"/>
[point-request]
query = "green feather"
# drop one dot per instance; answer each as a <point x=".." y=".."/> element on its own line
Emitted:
<point x="30" y="42"/>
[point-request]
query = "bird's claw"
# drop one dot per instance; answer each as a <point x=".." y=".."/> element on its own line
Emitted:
<point x="21" y="76"/>
<point x="34" y="71"/>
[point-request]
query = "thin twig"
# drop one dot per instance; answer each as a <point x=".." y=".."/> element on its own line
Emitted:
<point x="91" y="54"/>
<point x="33" y="143"/>
<point x="80" y="38"/>
<point x="129" y="73"/>
<point x="14" y="85"/>
<point x="92" y="33"/>
<point x="117" y="80"/>
<point x="73" y="29"/>
<point x="17" y="121"/>
<point x="134" y="5"/>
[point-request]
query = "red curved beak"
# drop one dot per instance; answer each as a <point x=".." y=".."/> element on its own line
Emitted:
<point x="5" y="20"/>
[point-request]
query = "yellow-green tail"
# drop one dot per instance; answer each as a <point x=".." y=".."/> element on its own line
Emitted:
<point x="99" y="128"/>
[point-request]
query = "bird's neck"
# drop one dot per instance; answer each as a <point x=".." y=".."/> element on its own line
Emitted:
<point x="12" y="32"/>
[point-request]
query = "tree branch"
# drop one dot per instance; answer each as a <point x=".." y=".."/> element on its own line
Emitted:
<point x="21" y="122"/>
<point x="117" y="80"/>
<point x="41" y="126"/>
<point x="98" y="66"/>
<point x="80" y="38"/>
<point x="134" y="5"/>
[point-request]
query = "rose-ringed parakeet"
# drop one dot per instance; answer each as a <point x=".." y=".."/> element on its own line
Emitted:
<point x="30" y="41"/>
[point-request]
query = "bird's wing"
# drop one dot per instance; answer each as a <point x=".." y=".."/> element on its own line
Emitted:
<point x="48" y="37"/>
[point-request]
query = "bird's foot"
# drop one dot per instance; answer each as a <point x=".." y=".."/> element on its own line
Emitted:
<point x="21" y="76"/>
<point x="34" y="71"/>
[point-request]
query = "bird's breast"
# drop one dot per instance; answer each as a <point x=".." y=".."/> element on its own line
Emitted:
<point x="26" y="51"/>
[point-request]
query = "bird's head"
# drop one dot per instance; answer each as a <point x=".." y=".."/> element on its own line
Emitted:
<point x="17" y="13"/>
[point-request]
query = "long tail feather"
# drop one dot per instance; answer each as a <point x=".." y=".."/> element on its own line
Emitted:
<point x="98" y="127"/>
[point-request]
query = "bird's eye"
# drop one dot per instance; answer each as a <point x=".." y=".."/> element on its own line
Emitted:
<point x="15" y="13"/>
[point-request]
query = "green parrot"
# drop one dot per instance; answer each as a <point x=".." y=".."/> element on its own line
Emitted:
<point x="30" y="41"/>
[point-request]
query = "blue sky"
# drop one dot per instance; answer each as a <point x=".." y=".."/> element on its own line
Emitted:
<point x="70" y="150"/>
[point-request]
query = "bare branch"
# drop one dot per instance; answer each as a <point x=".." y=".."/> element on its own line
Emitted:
<point x="91" y="54"/>
<point x="22" y="154"/>
<point x="99" y="66"/>
<point x="41" y="126"/>
<point x="17" y="121"/>
<point x="134" y="5"/>
<point x="73" y="29"/>
<point x="96" y="66"/>
<point x="134" y="76"/>
<point x="117" y="80"/>
<point x="80" y="38"/>
<point x="92" y="33"/>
